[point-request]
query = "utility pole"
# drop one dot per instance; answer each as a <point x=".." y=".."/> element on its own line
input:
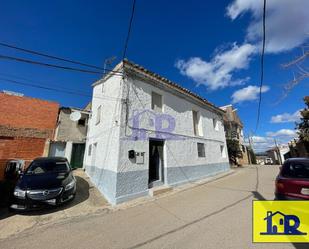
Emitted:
<point x="278" y="152"/>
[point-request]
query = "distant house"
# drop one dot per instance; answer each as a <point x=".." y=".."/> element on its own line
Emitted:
<point x="278" y="154"/>
<point x="26" y="126"/>
<point x="70" y="136"/>
<point x="233" y="127"/>
<point x="147" y="132"/>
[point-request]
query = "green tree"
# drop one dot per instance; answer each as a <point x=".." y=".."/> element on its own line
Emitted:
<point x="233" y="150"/>
<point x="303" y="125"/>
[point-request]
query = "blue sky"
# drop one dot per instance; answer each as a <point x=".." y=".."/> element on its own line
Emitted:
<point x="209" y="47"/>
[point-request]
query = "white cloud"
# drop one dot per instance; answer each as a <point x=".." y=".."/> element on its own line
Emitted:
<point x="260" y="144"/>
<point x="282" y="133"/>
<point x="287" y="22"/>
<point x="263" y="143"/>
<point x="248" y="93"/>
<point x="286" y="117"/>
<point x="217" y="73"/>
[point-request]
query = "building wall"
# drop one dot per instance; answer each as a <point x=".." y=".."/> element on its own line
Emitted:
<point x="20" y="148"/>
<point x="102" y="164"/>
<point x="68" y="130"/>
<point x="120" y="178"/>
<point x="25" y="112"/>
<point x="182" y="163"/>
<point x="26" y="125"/>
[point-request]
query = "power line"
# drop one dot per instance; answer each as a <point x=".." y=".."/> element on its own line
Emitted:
<point x="262" y="66"/>
<point x="5" y="57"/>
<point x="129" y="30"/>
<point x="49" y="56"/>
<point x="61" y="90"/>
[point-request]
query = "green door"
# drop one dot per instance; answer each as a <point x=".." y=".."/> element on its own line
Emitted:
<point x="77" y="156"/>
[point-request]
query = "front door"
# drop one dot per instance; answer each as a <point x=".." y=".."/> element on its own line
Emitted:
<point x="77" y="156"/>
<point x="156" y="162"/>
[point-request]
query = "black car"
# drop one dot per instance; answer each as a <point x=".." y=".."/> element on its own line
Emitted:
<point x="47" y="181"/>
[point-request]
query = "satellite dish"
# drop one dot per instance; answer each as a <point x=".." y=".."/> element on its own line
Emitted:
<point x="75" y="116"/>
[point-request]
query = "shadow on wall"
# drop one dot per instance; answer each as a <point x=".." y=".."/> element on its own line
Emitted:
<point x="82" y="194"/>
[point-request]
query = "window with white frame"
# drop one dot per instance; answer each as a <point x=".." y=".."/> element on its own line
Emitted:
<point x="215" y="124"/>
<point x="222" y="149"/>
<point x="156" y="102"/>
<point x="98" y="118"/>
<point x="201" y="150"/>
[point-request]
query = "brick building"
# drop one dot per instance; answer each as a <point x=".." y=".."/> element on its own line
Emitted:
<point x="26" y="125"/>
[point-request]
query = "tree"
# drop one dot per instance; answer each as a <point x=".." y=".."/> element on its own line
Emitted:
<point x="300" y="70"/>
<point x="303" y="125"/>
<point x="233" y="150"/>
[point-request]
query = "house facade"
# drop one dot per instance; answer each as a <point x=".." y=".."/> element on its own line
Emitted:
<point x="234" y="130"/>
<point x="146" y="131"/>
<point x="70" y="135"/>
<point x="26" y="126"/>
<point x="278" y="154"/>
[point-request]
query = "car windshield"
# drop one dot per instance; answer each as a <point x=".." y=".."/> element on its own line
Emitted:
<point x="296" y="170"/>
<point x="43" y="167"/>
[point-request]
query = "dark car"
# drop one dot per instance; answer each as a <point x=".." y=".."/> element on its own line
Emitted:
<point x="46" y="182"/>
<point x="292" y="183"/>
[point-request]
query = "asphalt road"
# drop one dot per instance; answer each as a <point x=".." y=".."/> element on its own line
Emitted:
<point x="217" y="214"/>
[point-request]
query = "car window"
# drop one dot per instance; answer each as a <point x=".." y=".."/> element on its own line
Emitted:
<point x="296" y="170"/>
<point x="47" y="167"/>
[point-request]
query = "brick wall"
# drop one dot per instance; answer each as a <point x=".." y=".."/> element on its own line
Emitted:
<point x="25" y="112"/>
<point x="19" y="148"/>
<point x="25" y="125"/>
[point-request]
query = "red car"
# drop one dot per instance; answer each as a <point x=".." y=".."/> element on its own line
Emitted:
<point x="292" y="183"/>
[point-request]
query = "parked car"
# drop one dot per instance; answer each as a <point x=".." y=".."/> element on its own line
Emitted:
<point x="292" y="183"/>
<point x="47" y="181"/>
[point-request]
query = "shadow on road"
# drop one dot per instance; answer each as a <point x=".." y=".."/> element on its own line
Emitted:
<point x="82" y="194"/>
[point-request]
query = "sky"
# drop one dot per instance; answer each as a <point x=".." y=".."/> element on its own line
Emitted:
<point x="210" y="47"/>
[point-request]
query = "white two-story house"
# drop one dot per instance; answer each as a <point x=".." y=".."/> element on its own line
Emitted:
<point x="146" y="131"/>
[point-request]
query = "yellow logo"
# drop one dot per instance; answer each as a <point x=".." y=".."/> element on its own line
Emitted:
<point x="281" y="221"/>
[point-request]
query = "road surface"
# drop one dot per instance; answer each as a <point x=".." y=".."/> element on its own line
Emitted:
<point x="217" y="214"/>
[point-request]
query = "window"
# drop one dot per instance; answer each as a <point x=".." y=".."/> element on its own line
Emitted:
<point x="223" y="154"/>
<point x="296" y="169"/>
<point x="89" y="150"/>
<point x="215" y="124"/>
<point x="156" y="102"/>
<point x="201" y="149"/>
<point x="37" y="167"/>
<point x="82" y="122"/>
<point x="197" y="124"/>
<point x="98" y="115"/>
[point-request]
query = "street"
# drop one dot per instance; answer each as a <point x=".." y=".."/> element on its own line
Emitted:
<point x="216" y="214"/>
